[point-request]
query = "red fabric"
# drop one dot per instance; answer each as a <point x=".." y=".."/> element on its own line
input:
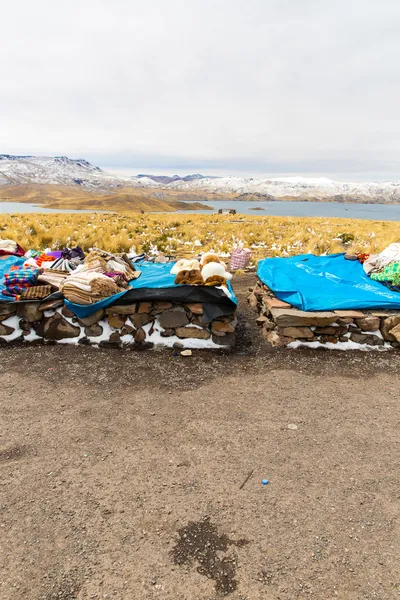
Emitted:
<point x="19" y="252"/>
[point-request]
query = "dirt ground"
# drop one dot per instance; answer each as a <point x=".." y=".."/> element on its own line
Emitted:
<point x="138" y="475"/>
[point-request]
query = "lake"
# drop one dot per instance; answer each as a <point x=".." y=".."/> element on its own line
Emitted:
<point x="372" y="212"/>
<point x="21" y="207"/>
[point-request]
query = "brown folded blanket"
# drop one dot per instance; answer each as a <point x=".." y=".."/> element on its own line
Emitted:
<point x="36" y="292"/>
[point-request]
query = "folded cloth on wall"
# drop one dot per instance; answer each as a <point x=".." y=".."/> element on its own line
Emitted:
<point x="18" y="279"/>
<point x="21" y="276"/>
<point x="36" y="292"/>
<point x="389" y="273"/>
<point x="44" y="258"/>
<point x="377" y="262"/>
<point x="71" y="253"/>
<point x="65" y="264"/>
<point x="87" y="287"/>
<point x="53" y="277"/>
<point x="10" y="248"/>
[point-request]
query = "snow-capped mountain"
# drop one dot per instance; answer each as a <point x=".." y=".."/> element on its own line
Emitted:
<point x="61" y="170"/>
<point x="164" y="179"/>
<point x="301" y="188"/>
<point x="58" y="170"/>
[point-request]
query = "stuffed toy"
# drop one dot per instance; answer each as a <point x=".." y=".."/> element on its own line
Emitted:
<point x="214" y="273"/>
<point x="189" y="277"/>
<point x="185" y="265"/>
<point x="209" y="257"/>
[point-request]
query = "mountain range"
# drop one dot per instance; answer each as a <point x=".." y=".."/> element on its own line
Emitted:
<point x="60" y="170"/>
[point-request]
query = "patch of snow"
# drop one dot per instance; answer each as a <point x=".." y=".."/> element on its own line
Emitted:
<point x="12" y="321"/>
<point x="340" y="346"/>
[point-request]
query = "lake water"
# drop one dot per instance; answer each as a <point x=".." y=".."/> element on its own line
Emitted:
<point x="21" y="207"/>
<point x="372" y="212"/>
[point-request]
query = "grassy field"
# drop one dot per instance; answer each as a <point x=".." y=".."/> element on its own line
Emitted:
<point x="118" y="200"/>
<point x="184" y="235"/>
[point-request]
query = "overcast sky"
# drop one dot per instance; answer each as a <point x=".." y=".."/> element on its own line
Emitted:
<point x="260" y="87"/>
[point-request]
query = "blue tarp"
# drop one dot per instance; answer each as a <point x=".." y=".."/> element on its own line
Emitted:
<point x="328" y="282"/>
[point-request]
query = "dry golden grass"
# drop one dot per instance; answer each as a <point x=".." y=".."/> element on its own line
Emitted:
<point x="77" y="198"/>
<point x="188" y="234"/>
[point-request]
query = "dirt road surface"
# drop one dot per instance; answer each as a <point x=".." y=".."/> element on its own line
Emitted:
<point x="138" y="475"/>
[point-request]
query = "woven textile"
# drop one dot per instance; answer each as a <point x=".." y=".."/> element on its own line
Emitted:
<point x="389" y="273"/>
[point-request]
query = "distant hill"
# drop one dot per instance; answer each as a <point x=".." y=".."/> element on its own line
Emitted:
<point x="79" y="173"/>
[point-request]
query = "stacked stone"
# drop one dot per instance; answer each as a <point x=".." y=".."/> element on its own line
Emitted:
<point x="54" y="322"/>
<point x="282" y="324"/>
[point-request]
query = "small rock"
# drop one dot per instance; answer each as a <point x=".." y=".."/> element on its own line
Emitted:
<point x="295" y="332"/>
<point x="138" y="320"/>
<point x="51" y="304"/>
<point x="91" y="319"/>
<point x="144" y="307"/>
<point x="167" y="333"/>
<point x="7" y="309"/>
<point x="369" y="323"/>
<point x="192" y="332"/>
<point x="56" y="328"/>
<point x="178" y="346"/>
<point x="161" y="305"/>
<point x="176" y="317"/>
<point x="67" y="313"/>
<point x="5" y="329"/>
<point x="186" y="353"/>
<point x="140" y="335"/>
<point x="387" y="326"/>
<point x="115" y="337"/>
<point x="116" y="320"/>
<point x="93" y="330"/>
<point x="121" y="309"/>
<point x="29" y="311"/>
<point x="223" y="327"/>
<point x="196" y="308"/>
<point x="292" y="426"/>
<point x="227" y="340"/>
<point x="362" y="338"/>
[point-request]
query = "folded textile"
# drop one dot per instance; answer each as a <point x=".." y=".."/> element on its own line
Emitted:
<point x="389" y="273"/>
<point x="65" y="264"/>
<point x="377" y="262"/>
<point x="77" y="296"/>
<point x="20" y="276"/>
<point x="36" y="292"/>
<point x="44" y="258"/>
<point x="70" y="253"/>
<point x="14" y="291"/>
<point x="9" y="247"/>
<point x="53" y="277"/>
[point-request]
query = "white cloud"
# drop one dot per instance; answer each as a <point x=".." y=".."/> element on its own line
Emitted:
<point x="258" y="86"/>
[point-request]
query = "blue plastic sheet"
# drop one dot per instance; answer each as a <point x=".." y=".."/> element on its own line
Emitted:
<point x="330" y="282"/>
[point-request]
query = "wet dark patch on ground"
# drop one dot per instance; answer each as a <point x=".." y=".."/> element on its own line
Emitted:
<point x="12" y="452"/>
<point x="201" y="542"/>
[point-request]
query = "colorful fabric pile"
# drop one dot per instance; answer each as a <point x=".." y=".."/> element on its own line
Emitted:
<point x="19" y="279"/>
<point x="385" y="267"/>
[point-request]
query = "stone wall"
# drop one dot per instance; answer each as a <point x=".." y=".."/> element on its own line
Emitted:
<point x="139" y="325"/>
<point x="281" y="324"/>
